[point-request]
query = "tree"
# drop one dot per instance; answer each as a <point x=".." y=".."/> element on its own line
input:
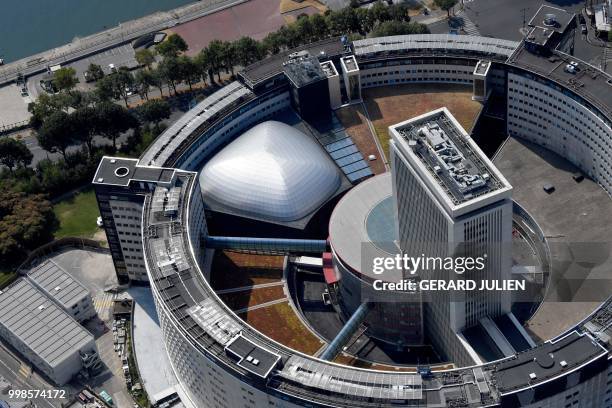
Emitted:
<point x="189" y="71"/>
<point x="123" y="83"/>
<point x="172" y="46"/>
<point x="157" y="80"/>
<point x="379" y="12"/>
<point x="214" y="55"/>
<point x="154" y="111"/>
<point x="446" y="5"/>
<point x="145" y="57"/>
<point x="399" y="12"/>
<point x="320" y="29"/>
<point x="170" y="70"/>
<point x="343" y="21"/>
<point x="144" y="80"/>
<point x="201" y="61"/>
<point x="118" y="85"/>
<point x="247" y="51"/>
<point x="394" y="27"/>
<point x="273" y="43"/>
<point x="57" y="133"/>
<point x="65" y="78"/>
<point x="304" y="28"/>
<point x="14" y="153"/>
<point x="105" y="89"/>
<point x="228" y="57"/>
<point x="365" y="19"/>
<point x="94" y="72"/>
<point x="26" y="221"/>
<point x="113" y="120"/>
<point x="85" y="125"/>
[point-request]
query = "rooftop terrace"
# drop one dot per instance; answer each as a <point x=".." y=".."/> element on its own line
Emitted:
<point x="449" y="156"/>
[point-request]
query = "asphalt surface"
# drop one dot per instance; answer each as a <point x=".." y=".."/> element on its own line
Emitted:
<point x="505" y="19"/>
<point x="13" y="369"/>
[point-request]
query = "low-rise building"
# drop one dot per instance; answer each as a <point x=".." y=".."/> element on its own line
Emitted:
<point x="67" y="292"/>
<point x="44" y="334"/>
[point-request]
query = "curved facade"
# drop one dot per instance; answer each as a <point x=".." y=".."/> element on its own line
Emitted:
<point x="272" y="172"/>
<point x="364" y="226"/>
<point x="211" y="376"/>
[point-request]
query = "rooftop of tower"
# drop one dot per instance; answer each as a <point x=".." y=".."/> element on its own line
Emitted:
<point x="443" y="152"/>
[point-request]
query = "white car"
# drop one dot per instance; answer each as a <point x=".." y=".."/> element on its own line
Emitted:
<point x="99" y="222"/>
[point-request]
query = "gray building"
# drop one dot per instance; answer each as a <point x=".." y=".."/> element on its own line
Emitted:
<point x="44" y="334"/>
<point x="63" y="289"/>
<point x="451" y="202"/>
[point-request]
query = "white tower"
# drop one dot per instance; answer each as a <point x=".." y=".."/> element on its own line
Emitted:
<point x="451" y="202"/>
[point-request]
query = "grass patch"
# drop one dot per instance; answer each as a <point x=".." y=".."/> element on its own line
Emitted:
<point x="280" y="323"/>
<point x="6" y="277"/>
<point x="77" y="215"/>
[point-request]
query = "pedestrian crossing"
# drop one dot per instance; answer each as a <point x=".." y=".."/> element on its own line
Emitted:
<point x="103" y="303"/>
<point x="25" y="370"/>
<point x="468" y="27"/>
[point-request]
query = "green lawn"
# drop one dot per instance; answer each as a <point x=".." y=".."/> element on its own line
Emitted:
<point x="77" y="215"/>
<point x="6" y="277"/>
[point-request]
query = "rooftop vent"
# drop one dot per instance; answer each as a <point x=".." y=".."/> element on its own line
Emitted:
<point x="113" y="161"/>
<point x="532" y="376"/>
<point x="100" y="179"/>
<point x="550" y="20"/>
<point x="42" y="307"/>
<point x="121" y="171"/>
<point x="58" y="288"/>
<point x="563" y="363"/>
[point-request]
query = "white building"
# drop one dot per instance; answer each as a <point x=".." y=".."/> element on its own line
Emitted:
<point x="603" y="16"/>
<point x="63" y="289"/>
<point x="451" y="201"/>
<point x="44" y="334"/>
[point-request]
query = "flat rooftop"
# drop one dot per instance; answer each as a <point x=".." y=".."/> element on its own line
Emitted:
<point x="482" y="68"/>
<point x="546" y="361"/>
<point x="265" y="69"/>
<point x="548" y="25"/>
<point x="40" y="324"/>
<point x="118" y="171"/>
<point x="448" y="156"/>
<point x="304" y="70"/>
<point x="58" y="283"/>
<point x="329" y="69"/>
<point x="350" y="63"/>
<point x="252" y="357"/>
<point x="363" y="225"/>
<point x="571" y="214"/>
<point x="419" y="44"/>
<point x="589" y="82"/>
<point x="551" y="18"/>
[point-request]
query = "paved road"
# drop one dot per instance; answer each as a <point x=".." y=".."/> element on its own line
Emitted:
<point x="14" y="371"/>
<point x="124" y="33"/>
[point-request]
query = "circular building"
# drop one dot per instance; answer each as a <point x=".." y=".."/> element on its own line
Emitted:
<point x="362" y="228"/>
<point x="273" y="173"/>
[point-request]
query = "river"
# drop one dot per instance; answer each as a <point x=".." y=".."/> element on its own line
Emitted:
<point x="31" y="26"/>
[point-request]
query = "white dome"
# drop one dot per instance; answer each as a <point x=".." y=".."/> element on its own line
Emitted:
<point x="272" y="172"/>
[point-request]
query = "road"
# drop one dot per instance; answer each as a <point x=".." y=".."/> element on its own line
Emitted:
<point x="99" y="42"/>
<point x="14" y="371"/>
